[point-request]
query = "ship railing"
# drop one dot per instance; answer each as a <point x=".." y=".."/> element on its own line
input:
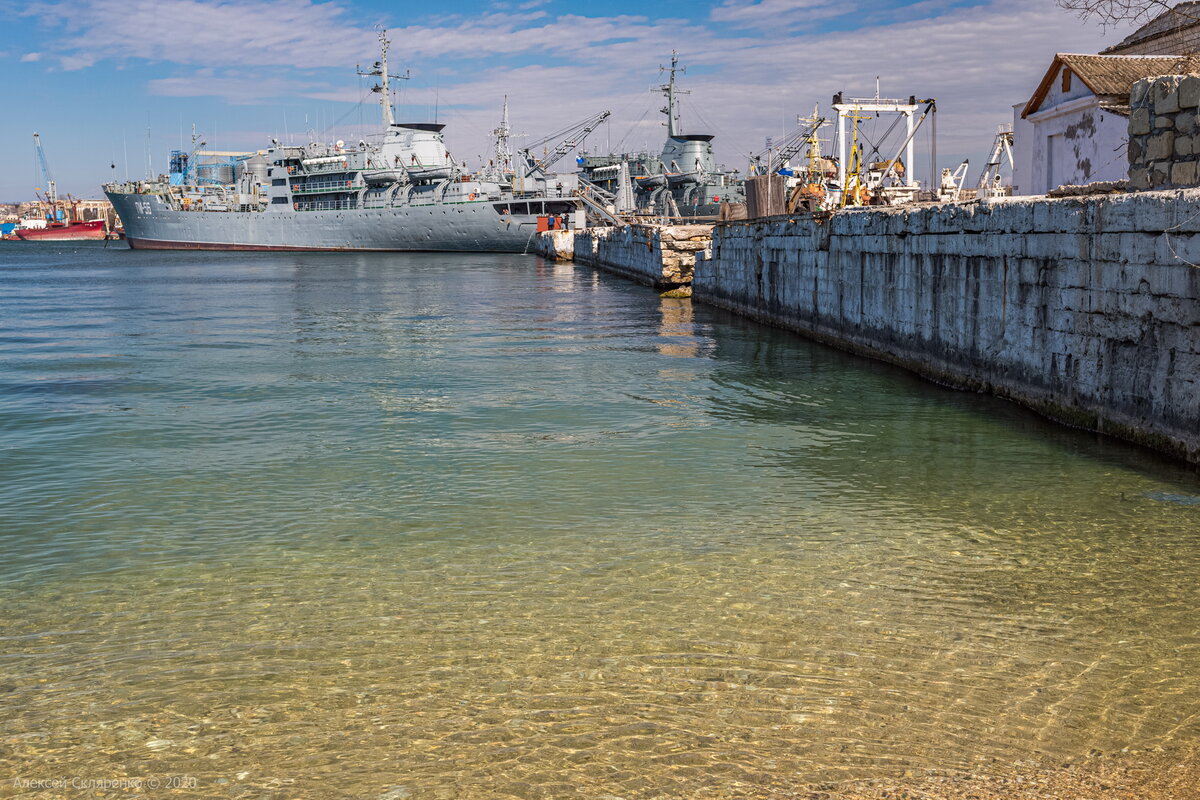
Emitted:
<point x="340" y="166"/>
<point x="324" y="187"/>
<point x="327" y="205"/>
<point x="137" y="187"/>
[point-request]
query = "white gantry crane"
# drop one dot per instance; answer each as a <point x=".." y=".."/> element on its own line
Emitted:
<point x="1002" y="147"/>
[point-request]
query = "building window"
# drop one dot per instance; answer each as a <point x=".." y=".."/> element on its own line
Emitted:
<point x="1066" y="83"/>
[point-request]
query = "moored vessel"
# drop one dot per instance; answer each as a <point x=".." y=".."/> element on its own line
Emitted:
<point x="63" y="231"/>
<point x="682" y="180"/>
<point x="59" y="220"/>
<point x="402" y="191"/>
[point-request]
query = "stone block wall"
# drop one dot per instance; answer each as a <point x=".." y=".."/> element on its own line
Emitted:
<point x="1183" y="39"/>
<point x="662" y="256"/>
<point x="1085" y="309"/>
<point x="1164" y="136"/>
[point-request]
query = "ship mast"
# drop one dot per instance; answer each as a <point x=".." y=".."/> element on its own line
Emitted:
<point x="814" y="140"/>
<point x="672" y="109"/>
<point x="504" y="154"/>
<point x="383" y="88"/>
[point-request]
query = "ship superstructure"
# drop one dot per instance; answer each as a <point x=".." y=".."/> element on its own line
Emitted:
<point x="401" y="192"/>
<point x="682" y="180"/>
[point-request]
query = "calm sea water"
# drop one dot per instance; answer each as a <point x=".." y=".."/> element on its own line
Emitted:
<point x="436" y="526"/>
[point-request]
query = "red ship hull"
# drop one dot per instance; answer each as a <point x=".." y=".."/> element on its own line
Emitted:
<point x="61" y="232"/>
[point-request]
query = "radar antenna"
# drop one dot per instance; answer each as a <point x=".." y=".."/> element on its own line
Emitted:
<point x="380" y="70"/>
<point x="504" y="154"/>
<point x="668" y="89"/>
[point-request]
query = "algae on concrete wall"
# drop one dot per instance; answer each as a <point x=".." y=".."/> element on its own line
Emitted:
<point x="1086" y="309"/>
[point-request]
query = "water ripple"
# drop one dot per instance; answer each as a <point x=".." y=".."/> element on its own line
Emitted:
<point x="430" y="526"/>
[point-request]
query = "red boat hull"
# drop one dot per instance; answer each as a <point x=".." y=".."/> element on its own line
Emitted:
<point x="61" y="232"/>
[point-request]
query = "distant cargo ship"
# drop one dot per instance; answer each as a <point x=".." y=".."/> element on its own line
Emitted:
<point x="63" y="231"/>
<point x="60" y="219"/>
<point x="404" y="192"/>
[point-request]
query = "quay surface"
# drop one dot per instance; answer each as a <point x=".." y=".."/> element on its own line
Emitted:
<point x="1084" y="309"/>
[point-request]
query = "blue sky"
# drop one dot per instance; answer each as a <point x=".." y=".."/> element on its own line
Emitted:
<point x="112" y="81"/>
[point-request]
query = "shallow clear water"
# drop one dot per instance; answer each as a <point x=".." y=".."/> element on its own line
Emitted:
<point x="438" y="526"/>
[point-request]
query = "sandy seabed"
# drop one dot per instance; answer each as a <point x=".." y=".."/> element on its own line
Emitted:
<point x="1160" y="774"/>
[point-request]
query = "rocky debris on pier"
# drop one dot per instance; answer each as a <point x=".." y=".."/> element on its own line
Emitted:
<point x="1087" y="189"/>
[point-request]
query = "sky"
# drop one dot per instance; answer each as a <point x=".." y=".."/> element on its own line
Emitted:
<point x="122" y="82"/>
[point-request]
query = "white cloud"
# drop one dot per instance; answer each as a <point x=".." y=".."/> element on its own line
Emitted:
<point x="778" y="13"/>
<point x="976" y="61"/>
<point x="236" y="90"/>
<point x="747" y="87"/>
<point x="208" y="32"/>
<point x="29" y="57"/>
<point x="747" y="82"/>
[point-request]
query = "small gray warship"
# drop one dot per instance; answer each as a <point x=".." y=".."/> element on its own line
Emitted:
<point x="404" y="192"/>
<point x="681" y="181"/>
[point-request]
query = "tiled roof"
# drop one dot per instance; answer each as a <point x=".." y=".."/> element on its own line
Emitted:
<point x="1110" y="75"/>
<point x="1115" y="74"/>
<point x="1183" y="15"/>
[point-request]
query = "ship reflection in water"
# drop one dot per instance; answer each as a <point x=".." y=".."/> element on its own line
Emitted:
<point x="432" y="526"/>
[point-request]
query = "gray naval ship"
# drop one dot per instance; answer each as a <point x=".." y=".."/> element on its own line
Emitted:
<point x="404" y="192"/>
<point x="683" y="180"/>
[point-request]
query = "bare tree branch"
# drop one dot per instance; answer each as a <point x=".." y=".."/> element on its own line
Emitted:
<point x="1111" y="12"/>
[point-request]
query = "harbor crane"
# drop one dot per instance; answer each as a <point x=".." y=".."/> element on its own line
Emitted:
<point x="51" y="196"/>
<point x="989" y="181"/>
<point x="953" y="181"/>
<point x="566" y="140"/>
<point x="776" y="157"/>
<point x="930" y="107"/>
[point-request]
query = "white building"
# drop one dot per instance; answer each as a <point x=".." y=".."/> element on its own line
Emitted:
<point x="1074" y="129"/>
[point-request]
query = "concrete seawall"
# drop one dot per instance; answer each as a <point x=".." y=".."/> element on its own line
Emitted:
<point x="1085" y="309"/>
<point x="658" y="256"/>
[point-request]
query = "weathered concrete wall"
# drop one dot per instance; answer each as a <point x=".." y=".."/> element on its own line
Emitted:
<point x="1164" y="137"/>
<point x="1080" y="308"/>
<point x="556" y="245"/>
<point x="660" y="256"/>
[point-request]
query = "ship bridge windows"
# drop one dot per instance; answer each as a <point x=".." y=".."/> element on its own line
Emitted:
<point x="278" y="200"/>
<point x="279" y="181"/>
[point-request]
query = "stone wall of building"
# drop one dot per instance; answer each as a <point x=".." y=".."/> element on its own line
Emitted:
<point x="1085" y="309"/>
<point x="1183" y="39"/>
<point x="1164" y="136"/>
